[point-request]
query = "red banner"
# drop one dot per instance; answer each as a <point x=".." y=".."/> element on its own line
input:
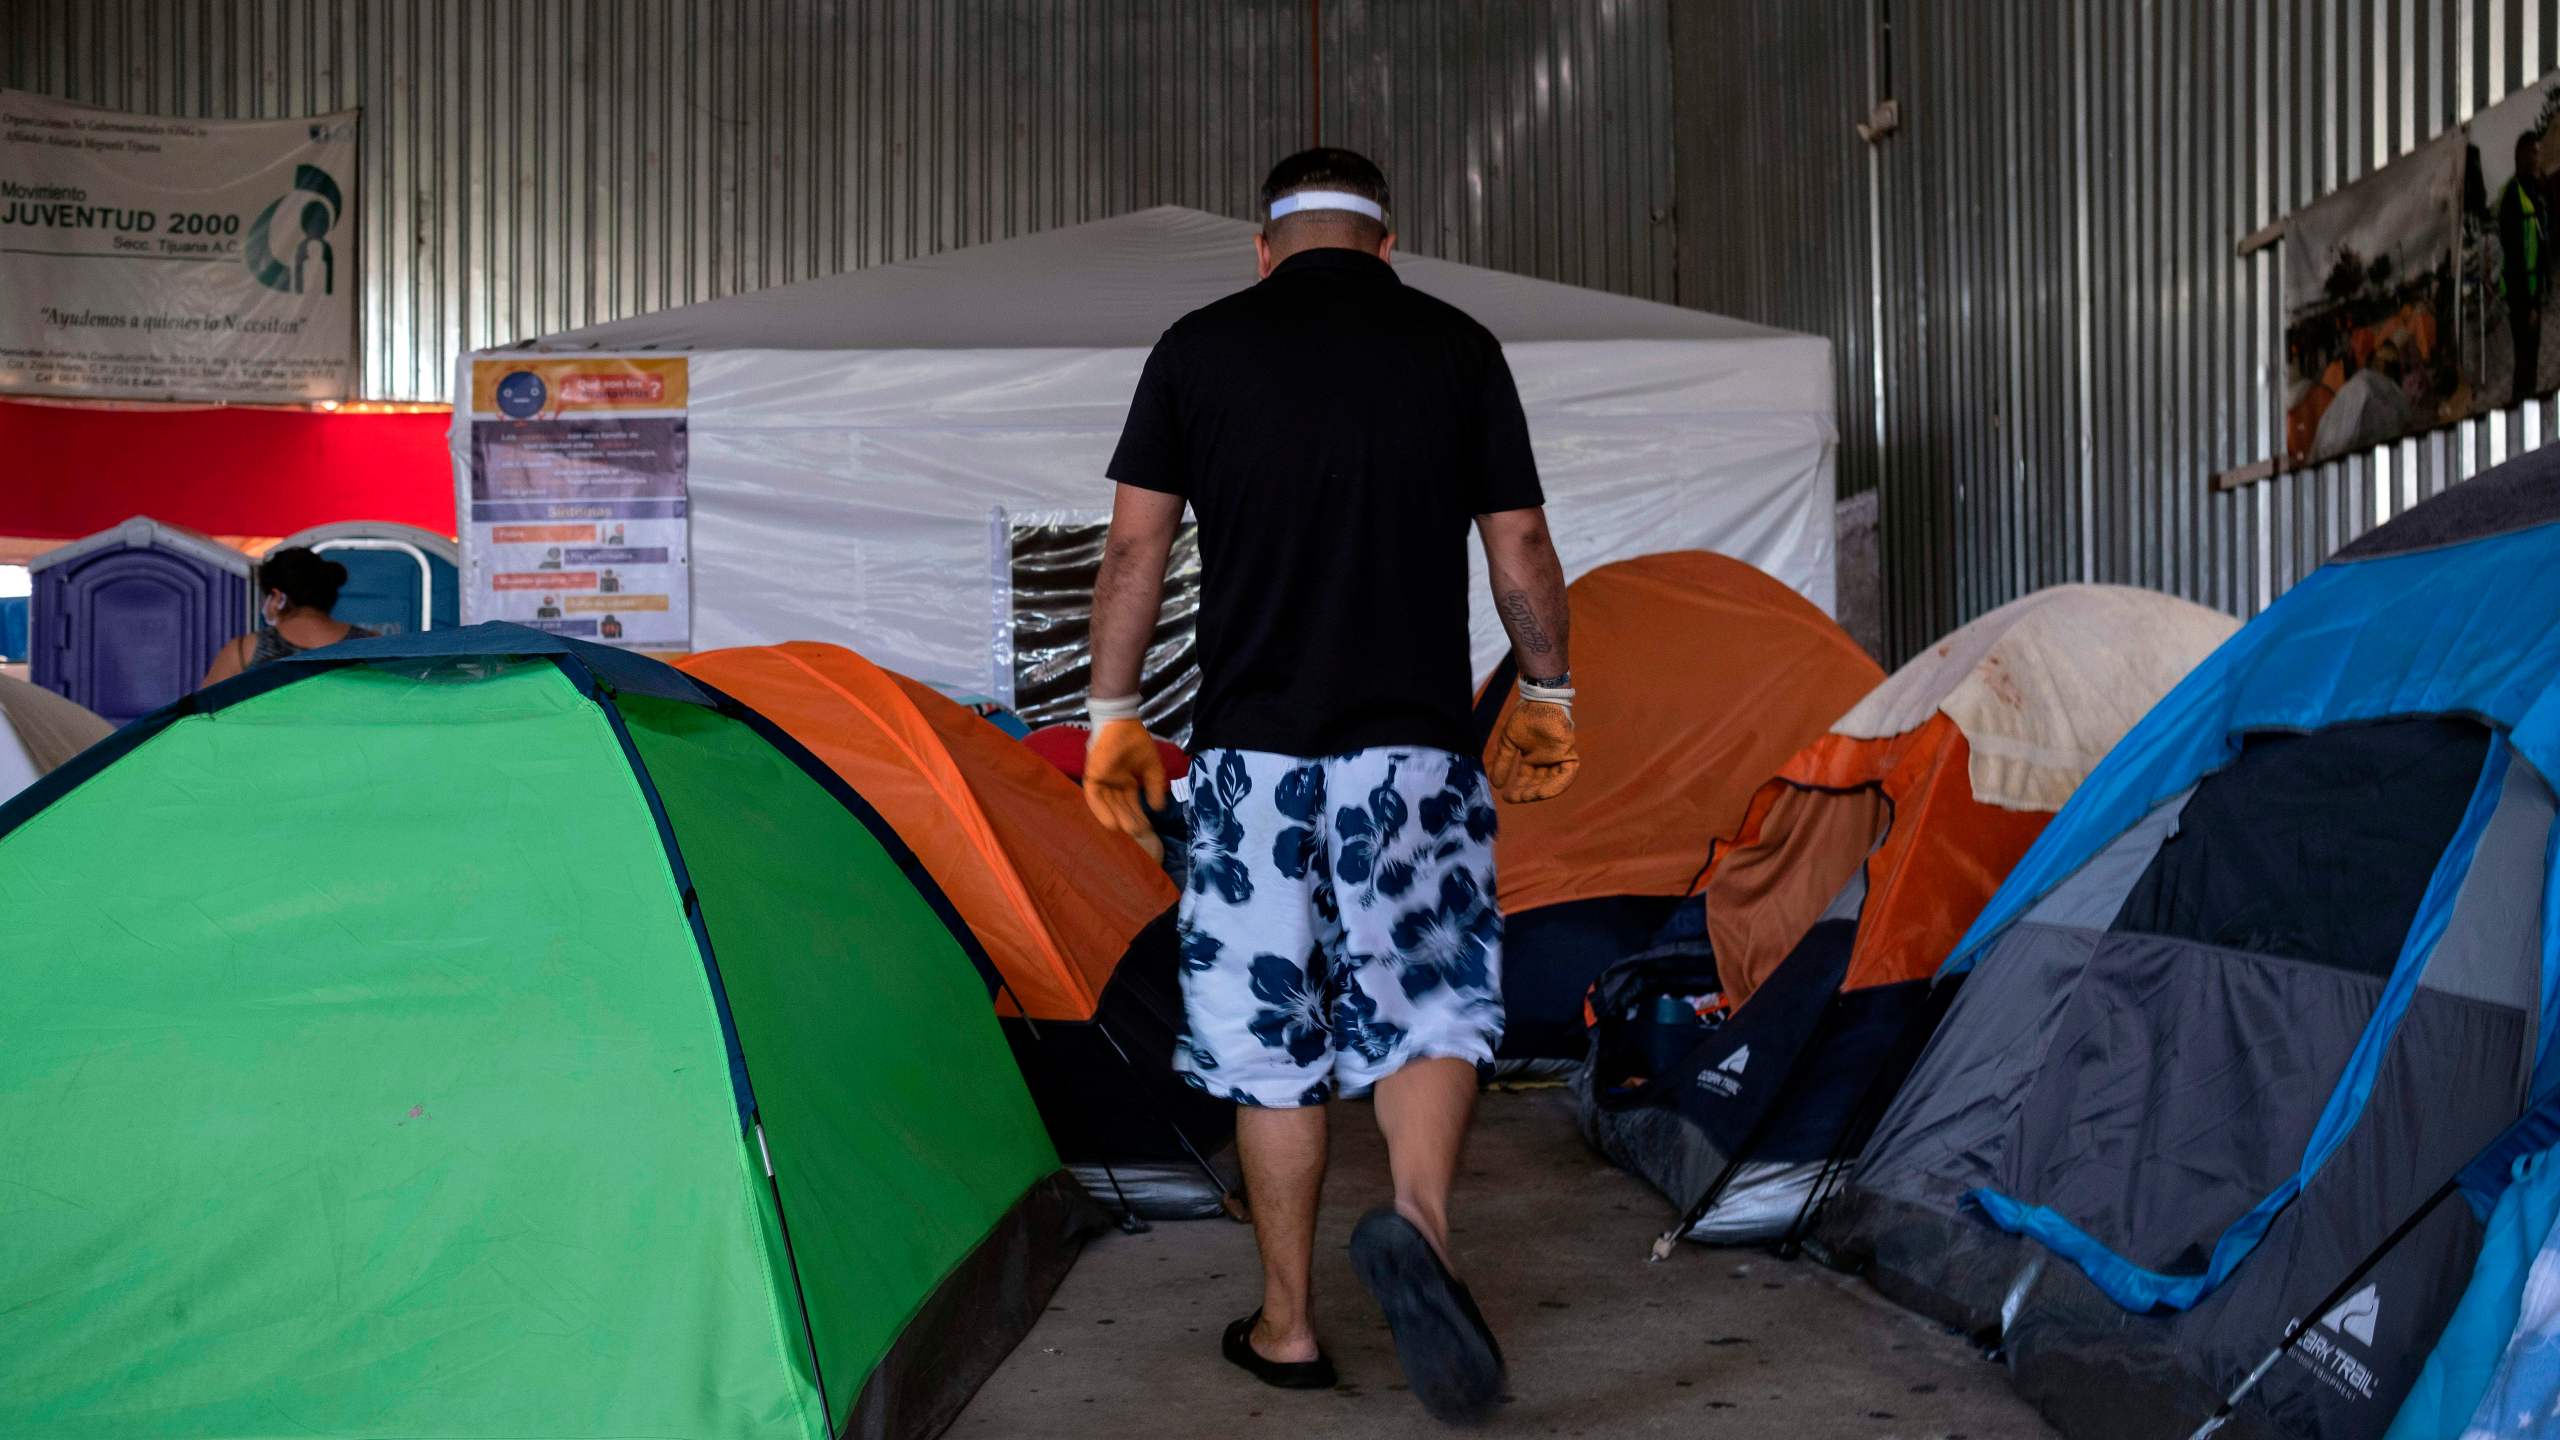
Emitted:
<point x="74" y="470"/>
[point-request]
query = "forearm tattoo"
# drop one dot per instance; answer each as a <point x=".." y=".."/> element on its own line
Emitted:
<point x="1522" y="617"/>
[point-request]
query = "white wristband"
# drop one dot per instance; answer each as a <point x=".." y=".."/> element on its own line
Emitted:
<point x="1557" y="695"/>
<point x="1102" y="712"/>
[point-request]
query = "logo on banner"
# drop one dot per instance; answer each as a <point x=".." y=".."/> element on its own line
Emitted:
<point x="521" y="395"/>
<point x="1726" y="1078"/>
<point x="310" y="210"/>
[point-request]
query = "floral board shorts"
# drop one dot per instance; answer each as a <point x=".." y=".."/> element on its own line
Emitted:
<point x="1339" y="921"/>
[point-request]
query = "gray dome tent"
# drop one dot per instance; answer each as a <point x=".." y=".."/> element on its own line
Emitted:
<point x="2279" y="972"/>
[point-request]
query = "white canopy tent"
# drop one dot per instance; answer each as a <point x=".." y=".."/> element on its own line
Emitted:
<point x="857" y="443"/>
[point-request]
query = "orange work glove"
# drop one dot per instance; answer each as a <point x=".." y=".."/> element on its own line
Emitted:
<point x="1121" y="763"/>
<point x="1536" y="759"/>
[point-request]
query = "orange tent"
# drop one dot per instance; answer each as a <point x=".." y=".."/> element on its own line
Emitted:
<point x="1078" y="922"/>
<point x="1849" y="880"/>
<point x="1928" y="792"/>
<point x="1697" y="676"/>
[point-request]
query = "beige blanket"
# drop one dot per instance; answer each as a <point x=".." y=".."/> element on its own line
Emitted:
<point x="2044" y="686"/>
<point x="51" y="728"/>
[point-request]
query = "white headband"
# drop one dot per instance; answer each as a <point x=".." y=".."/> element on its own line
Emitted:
<point x="1327" y="200"/>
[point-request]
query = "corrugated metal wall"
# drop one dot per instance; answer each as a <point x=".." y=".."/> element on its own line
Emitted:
<point x="2048" y="347"/>
<point x="531" y="165"/>
<point x="1531" y="135"/>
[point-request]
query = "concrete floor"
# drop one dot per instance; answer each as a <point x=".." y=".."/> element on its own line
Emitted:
<point x="1710" y="1342"/>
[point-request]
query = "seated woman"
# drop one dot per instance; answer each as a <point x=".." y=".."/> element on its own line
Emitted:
<point x="300" y="589"/>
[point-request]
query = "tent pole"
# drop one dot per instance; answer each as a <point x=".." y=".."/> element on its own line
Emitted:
<point x="1670" y="1239"/>
<point x="791" y="1256"/>
<point x="1227" y="1200"/>
<point x="1130" y="1224"/>
<point x="1882" y="1086"/>
<point x="1129" y="1220"/>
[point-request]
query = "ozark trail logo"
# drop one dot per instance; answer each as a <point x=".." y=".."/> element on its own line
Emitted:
<point x="1726" y="1078"/>
<point x="311" y="208"/>
<point x="2327" y="1359"/>
<point x="2355" y="1315"/>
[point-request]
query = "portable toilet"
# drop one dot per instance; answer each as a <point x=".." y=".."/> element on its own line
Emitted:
<point x="400" y="579"/>
<point x="14" y="587"/>
<point x="126" y="620"/>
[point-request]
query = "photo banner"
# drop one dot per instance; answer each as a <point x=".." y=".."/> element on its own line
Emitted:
<point x="2427" y="292"/>
<point x="2511" y="247"/>
<point x="2370" y="300"/>
<point x="148" y="257"/>
<point x="574" y="513"/>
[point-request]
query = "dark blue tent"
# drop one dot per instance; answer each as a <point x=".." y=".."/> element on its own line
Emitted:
<point x="2281" y="968"/>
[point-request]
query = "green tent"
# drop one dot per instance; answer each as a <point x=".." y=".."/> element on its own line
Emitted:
<point x="481" y="1034"/>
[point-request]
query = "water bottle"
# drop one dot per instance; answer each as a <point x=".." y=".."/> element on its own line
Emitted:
<point x="1671" y="1029"/>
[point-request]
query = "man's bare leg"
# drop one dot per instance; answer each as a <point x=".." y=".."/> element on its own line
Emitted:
<point x="1422" y="1111"/>
<point x="1283" y="1153"/>
<point x="1449" y="1354"/>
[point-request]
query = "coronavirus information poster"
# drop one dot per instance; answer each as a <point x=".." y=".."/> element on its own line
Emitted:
<point x="575" y="516"/>
<point x="169" y="259"/>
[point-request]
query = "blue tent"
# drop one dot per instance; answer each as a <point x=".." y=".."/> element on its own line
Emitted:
<point x="2496" y="1369"/>
<point x="2279" y="970"/>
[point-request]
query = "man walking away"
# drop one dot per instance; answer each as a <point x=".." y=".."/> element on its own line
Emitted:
<point x="1336" y="434"/>
<point x="2524" y="239"/>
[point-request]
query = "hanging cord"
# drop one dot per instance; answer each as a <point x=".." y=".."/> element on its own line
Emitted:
<point x="2294" y="1330"/>
<point x="1315" y="72"/>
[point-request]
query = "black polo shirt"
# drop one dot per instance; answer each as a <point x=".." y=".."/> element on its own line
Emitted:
<point x="1336" y="434"/>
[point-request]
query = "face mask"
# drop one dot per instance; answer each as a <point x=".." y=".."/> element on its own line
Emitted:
<point x="272" y="608"/>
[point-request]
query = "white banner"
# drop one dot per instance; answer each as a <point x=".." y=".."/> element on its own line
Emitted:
<point x="145" y="256"/>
